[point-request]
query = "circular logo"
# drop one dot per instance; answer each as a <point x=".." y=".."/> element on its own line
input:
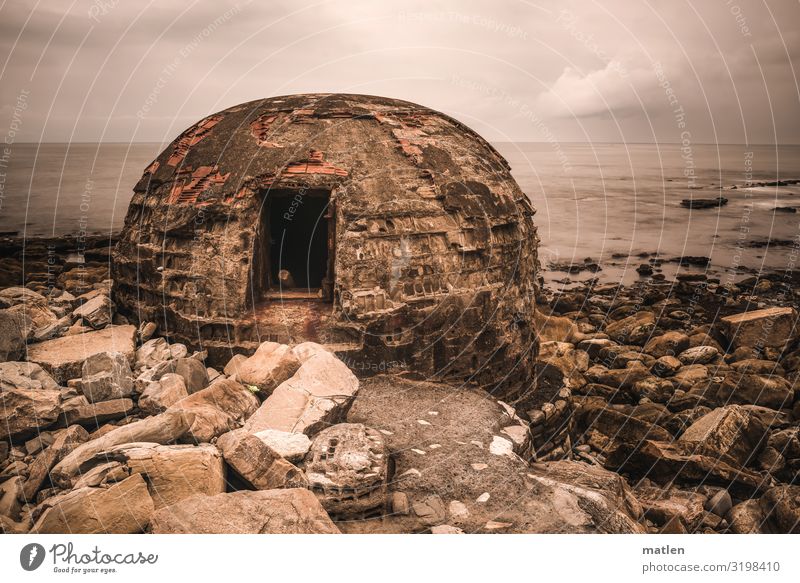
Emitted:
<point x="31" y="556"/>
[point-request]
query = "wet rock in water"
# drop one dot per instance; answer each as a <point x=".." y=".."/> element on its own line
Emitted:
<point x="317" y="395"/>
<point x="730" y="432"/>
<point x="259" y="465"/>
<point x="97" y="312"/>
<point x="172" y="472"/>
<point x="635" y="329"/>
<point x="39" y="470"/>
<point x="770" y="327"/>
<point x="286" y="511"/>
<point x="347" y="469"/>
<point x="668" y="344"/>
<point x="159" y="395"/>
<point x="217" y="409"/>
<point x="271" y="364"/>
<point x="645" y="269"/>
<point x="105" y="376"/>
<point x="124" y="508"/>
<point x="164" y="428"/>
<point x="292" y="446"/>
<point x="704" y="203"/>
<point x="63" y="357"/>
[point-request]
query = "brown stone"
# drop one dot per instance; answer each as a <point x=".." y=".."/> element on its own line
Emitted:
<point x="124" y="508"/>
<point x="93" y="415"/>
<point x="286" y="511"/>
<point x="770" y="327"/>
<point x="64" y="357"/>
<point x="257" y="463"/>
<point x="39" y="470"/>
<point x="271" y="365"/>
<point x="728" y="431"/>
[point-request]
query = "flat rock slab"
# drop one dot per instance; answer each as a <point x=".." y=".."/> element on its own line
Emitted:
<point x="63" y="357"/>
<point x="93" y="415"/>
<point x="290" y="511"/>
<point x="761" y="328"/>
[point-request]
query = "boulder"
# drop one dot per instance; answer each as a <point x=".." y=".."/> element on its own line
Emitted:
<point x="286" y="511"/>
<point x="669" y="344"/>
<point x="771" y="327"/>
<point x="25" y="375"/>
<point x="271" y="365"/>
<point x="13" y="334"/>
<point x="105" y="376"/>
<point x="751" y="389"/>
<point x="663" y="506"/>
<point x="317" y="395"/>
<point x="172" y="472"/>
<point x="152" y="352"/>
<point x="24" y="411"/>
<point x="258" y="464"/>
<point x="623" y="378"/>
<point x="217" y="409"/>
<point x="161" y="394"/>
<point x="124" y="508"/>
<point x="39" y="470"/>
<point x="666" y="366"/>
<point x="193" y="371"/>
<point x="164" y="428"/>
<point x="732" y="432"/>
<point x="232" y="368"/>
<point x="97" y="312"/>
<point x="635" y="329"/>
<point x="291" y="446"/>
<point x="11" y="494"/>
<point x="94" y="415"/>
<point x="747" y="518"/>
<point x="616" y="426"/>
<point x="63" y="357"/>
<point x="782" y="505"/>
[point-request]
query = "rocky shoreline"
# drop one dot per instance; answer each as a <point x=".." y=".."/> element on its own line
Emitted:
<point x="670" y="406"/>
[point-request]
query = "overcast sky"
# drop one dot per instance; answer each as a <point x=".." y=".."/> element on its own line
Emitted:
<point x="611" y="70"/>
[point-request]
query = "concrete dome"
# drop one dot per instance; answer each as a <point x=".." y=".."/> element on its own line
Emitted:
<point x="386" y="230"/>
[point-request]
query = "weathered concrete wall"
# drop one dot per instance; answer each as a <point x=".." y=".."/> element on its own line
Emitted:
<point x="435" y="256"/>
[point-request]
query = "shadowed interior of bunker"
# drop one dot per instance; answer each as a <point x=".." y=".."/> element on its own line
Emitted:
<point x="295" y="241"/>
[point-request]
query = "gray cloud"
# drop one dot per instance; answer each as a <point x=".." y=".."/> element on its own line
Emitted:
<point x="122" y="71"/>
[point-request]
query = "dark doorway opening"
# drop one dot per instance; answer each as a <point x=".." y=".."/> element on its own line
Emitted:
<point x="297" y="244"/>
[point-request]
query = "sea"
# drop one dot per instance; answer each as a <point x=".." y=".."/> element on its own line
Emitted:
<point x="610" y="205"/>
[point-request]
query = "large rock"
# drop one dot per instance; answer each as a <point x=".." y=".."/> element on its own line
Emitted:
<point x="23" y="411"/>
<point x="665" y="506"/>
<point x="446" y="471"/>
<point x="752" y="389"/>
<point x="290" y="511"/>
<point x="94" y="415"/>
<point x="39" y="470"/>
<point x="161" y="394"/>
<point x="172" y="472"/>
<point x="771" y="327"/>
<point x="13" y="334"/>
<point x="63" y="358"/>
<point x="271" y="365"/>
<point x="97" y="312"/>
<point x="616" y="426"/>
<point x="152" y="353"/>
<point x="730" y="431"/>
<point x="257" y="463"/>
<point x="635" y="329"/>
<point x="292" y="446"/>
<point x="217" y="409"/>
<point x="318" y="394"/>
<point x="782" y="505"/>
<point x="669" y="344"/>
<point x="11" y="495"/>
<point x="105" y="376"/>
<point x="163" y="429"/>
<point x="124" y="508"/>
<point x="25" y="375"/>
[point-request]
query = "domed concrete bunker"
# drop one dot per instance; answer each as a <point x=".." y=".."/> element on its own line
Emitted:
<point x="389" y="232"/>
